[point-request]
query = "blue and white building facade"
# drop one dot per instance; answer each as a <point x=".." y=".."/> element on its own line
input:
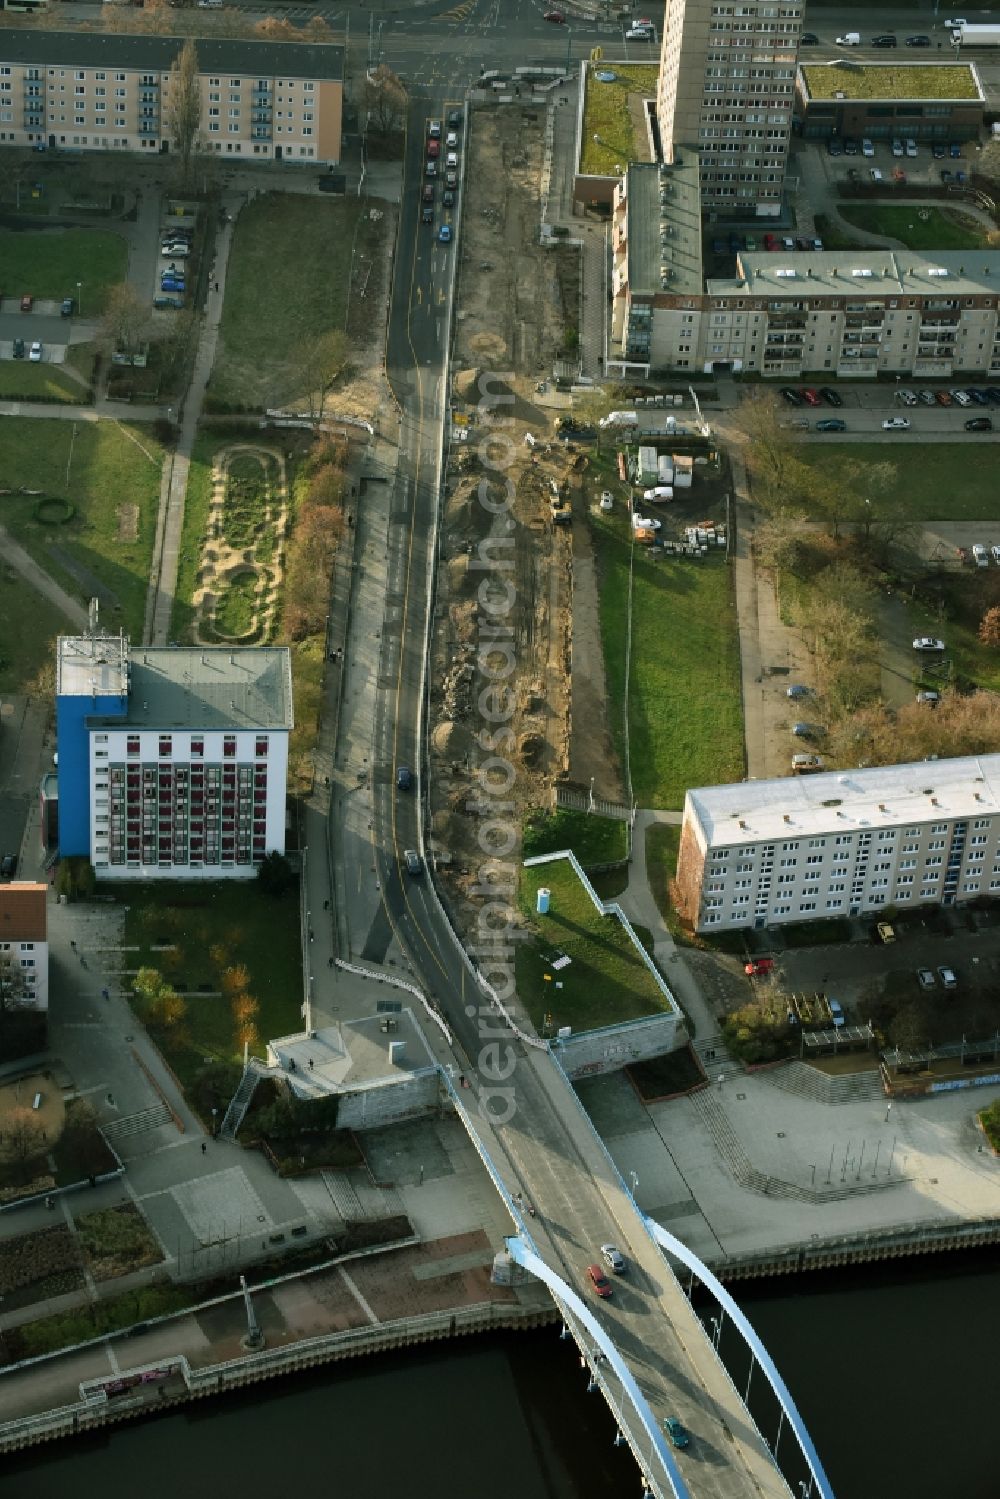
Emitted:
<point x="173" y="760"/>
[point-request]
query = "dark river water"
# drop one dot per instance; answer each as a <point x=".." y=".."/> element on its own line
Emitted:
<point x="895" y="1371"/>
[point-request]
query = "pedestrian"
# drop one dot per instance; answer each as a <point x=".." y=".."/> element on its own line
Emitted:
<point x="72" y="944"/>
<point x="311" y="1064"/>
<point x="204" y="1148"/>
<point x="217" y="286"/>
<point x="105" y="994"/>
<point x="329" y="962"/>
<point x="326" y="905"/>
<point x="50" y="1203"/>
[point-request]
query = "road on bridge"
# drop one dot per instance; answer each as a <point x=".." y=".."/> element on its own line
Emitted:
<point x="548" y="1142"/>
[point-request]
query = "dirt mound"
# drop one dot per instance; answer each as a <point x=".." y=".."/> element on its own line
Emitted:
<point x="531" y="749"/>
<point x="443" y="737"/>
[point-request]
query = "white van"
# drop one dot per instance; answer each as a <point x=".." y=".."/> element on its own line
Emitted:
<point x="980" y="555"/>
<point x="849" y="39"/>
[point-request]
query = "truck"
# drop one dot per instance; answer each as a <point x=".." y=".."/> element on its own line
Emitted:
<point x="648" y="471"/>
<point x="976" y="36"/>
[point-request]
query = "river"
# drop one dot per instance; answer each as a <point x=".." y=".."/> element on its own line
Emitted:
<point x="894" y="1369"/>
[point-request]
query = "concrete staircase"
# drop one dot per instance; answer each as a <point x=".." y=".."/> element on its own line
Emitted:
<point x="356" y="1198"/>
<point x="730" y="1147"/>
<point x="715" y="1059"/>
<point x="139" y="1123"/>
<point x="819" y="1087"/>
<point x="240" y="1101"/>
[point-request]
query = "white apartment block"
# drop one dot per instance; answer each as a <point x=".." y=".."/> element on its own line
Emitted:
<point x="855" y="313"/>
<point x="24" y="947"/>
<point x="761" y="853"/>
<point x="727" y="87"/>
<point x="173" y="760"/>
<point x="93" y="91"/>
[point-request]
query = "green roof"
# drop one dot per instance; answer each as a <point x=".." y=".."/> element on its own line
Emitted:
<point x="903" y="81"/>
<point x="606" y="114"/>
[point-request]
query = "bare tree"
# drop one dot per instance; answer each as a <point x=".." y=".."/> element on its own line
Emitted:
<point x="23" y="1137"/>
<point x="322" y="364"/>
<point x="385" y="100"/>
<point x="184" y="108"/>
<point x="126" y="319"/>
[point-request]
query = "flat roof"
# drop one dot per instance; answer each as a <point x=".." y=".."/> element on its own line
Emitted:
<point x="847" y="801"/>
<point x="23" y="911"/>
<point x="353" y="1054"/>
<point x="95" y="49"/>
<point x="210" y="687"/>
<point x="846" y="81"/>
<point x="663" y="211"/>
<point x="862" y="273"/>
<point x="92" y="664"/>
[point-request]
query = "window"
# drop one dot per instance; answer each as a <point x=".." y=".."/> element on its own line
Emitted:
<point x="132" y="744"/>
<point x="940" y="827"/>
<point x="229" y="747"/>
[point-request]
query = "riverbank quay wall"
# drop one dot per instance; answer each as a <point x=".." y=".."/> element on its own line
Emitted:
<point x="904" y="1242"/>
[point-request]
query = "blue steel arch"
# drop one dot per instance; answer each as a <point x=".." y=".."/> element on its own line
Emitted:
<point x="681" y="1252"/>
<point x="523" y="1254"/>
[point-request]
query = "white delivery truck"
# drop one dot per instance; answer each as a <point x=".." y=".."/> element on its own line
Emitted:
<point x="976" y="36"/>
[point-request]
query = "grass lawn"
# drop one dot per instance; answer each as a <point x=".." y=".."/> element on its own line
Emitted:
<point x="273" y="311"/>
<point x="111" y="474"/>
<point x="196" y="502"/>
<point x="662" y="846"/>
<point x="606" y="113"/>
<point x="48" y="263"/>
<point x="685" y="717"/>
<point x="861" y="80"/>
<point x="606" y="981"/>
<point x="29" y="625"/>
<point x="212" y="927"/>
<point x="941" y="230"/>
<point x="22" y="381"/>
<point x="594" y="840"/>
<point x="926" y="483"/>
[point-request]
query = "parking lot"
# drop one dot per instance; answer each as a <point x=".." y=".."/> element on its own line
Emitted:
<point x="42" y="324"/>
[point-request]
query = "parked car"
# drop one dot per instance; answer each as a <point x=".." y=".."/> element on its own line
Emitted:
<point x="455" y="119"/>
<point x="925" y="978"/>
<point x="831" y="397"/>
<point x="35" y="353"/>
<point x="756" y="968"/>
<point x="928" y="643"/>
<point x="173" y="283"/>
<point x="993" y="395"/>
<point x="771" y="242"/>
<point x="67" y="307"/>
<point x="938" y="151"/>
<point x="942" y="397"/>
<point x="451" y="180"/>
<point x="927" y="397"/>
<point x="979" y="395"/>
<point x="885" y="39"/>
<point x="867" y="148"/>
<point x="810" y="396"/>
<point x="834" y="147"/>
<point x="555" y="16"/>
<point x="851" y="147"/>
<point x="947" y="977"/>
<point x="434" y="130"/>
<point x="808" y="730"/>
<point x="19" y="348"/>
<point x="945" y="175"/>
<point x="427" y="192"/>
<point x="27" y="303"/>
<point x="831" y="424"/>
<point x="678" y="1434"/>
<point x="614" y="1258"/>
<point x="798" y="690"/>
<point x="451" y="160"/>
<point x="896" y="424"/>
<point x="930" y="697"/>
<point x="875" y="173"/>
<point x="599" y="1281"/>
<point x="962" y="397"/>
<point x="897" y="148"/>
<point x="980" y="556"/>
<point x="8" y="866"/>
<point x="955" y="151"/>
<point x="906" y="397"/>
<point x="431" y="169"/>
<point x="885" y="932"/>
<point x="979" y="424"/>
<point x="414" y="863"/>
<point x="911" y="146"/>
<point x="433" y="150"/>
<point x="803" y="765"/>
<point x="920" y="40"/>
<point x="789" y="394"/>
<point x="995" y="554"/>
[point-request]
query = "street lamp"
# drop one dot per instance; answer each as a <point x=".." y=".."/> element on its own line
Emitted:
<point x="79" y="298"/>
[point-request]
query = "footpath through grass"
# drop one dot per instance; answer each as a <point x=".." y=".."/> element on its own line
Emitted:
<point x="110" y="475"/>
<point x="287" y="283"/>
<point x="685" y="714"/>
<point x="606" y="981"/>
<point x="942" y="229"/>
<point x="48" y="264"/>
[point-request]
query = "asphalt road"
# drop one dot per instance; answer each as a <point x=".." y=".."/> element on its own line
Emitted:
<point x="551" y="1151"/>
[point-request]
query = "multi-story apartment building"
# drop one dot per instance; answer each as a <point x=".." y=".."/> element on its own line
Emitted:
<point x="172" y="760"/>
<point x="90" y="91"/>
<point x="759" y="853"/>
<point x="727" y="86"/>
<point x="24" y="947"/>
<point x="857" y="313"/>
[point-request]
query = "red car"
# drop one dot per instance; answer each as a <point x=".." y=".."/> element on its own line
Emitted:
<point x="27" y="303"/>
<point x="810" y="396"/>
<point x="556" y="16"/>
<point x="433" y="149"/>
<point x="771" y="242"/>
<point x="757" y="967"/>
<point x="599" y="1281"/>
